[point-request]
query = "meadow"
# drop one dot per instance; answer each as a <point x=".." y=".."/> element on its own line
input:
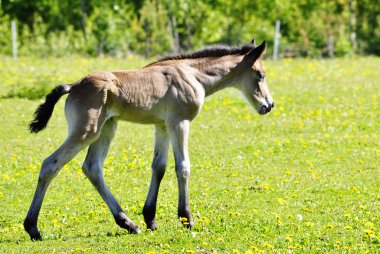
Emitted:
<point x="302" y="179"/>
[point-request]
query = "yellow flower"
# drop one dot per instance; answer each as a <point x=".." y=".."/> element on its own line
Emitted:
<point x="370" y="225"/>
<point x="268" y="246"/>
<point x="234" y="213"/>
<point x="369" y="232"/>
<point x="254" y="248"/>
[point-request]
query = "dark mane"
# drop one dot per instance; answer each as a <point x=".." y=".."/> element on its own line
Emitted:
<point x="210" y="51"/>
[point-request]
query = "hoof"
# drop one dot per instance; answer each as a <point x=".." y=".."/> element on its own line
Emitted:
<point x="149" y="217"/>
<point x="124" y="222"/>
<point x="152" y="225"/>
<point x="35" y="236"/>
<point x="186" y="218"/>
<point x="31" y="229"/>
<point x="187" y="222"/>
<point x="135" y="230"/>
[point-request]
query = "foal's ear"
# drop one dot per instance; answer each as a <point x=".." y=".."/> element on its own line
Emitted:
<point x="255" y="53"/>
<point x="253" y="42"/>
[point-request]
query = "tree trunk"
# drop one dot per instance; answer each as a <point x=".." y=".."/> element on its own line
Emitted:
<point x="330" y="45"/>
<point x="147" y="38"/>
<point x="83" y="5"/>
<point x="173" y="28"/>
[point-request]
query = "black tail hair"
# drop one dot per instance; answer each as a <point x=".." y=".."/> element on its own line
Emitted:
<point x="45" y="110"/>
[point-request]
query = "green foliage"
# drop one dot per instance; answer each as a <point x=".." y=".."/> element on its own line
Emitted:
<point x="309" y="28"/>
<point x="30" y="93"/>
<point x="302" y="179"/>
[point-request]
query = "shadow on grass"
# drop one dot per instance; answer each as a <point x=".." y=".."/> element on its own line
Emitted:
<point x="72" y="237"/>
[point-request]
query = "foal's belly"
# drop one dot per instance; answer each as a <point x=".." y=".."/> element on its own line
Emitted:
<point x="135" y="115"/>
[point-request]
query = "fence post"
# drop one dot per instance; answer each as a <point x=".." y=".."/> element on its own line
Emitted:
<point x="276" y="40"/>
<point x="14" y="39"/>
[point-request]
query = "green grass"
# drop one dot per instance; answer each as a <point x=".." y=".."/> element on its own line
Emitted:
<point x="303" y="179"/>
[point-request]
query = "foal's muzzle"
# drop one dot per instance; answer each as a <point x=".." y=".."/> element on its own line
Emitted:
<point x="264" y="109"/>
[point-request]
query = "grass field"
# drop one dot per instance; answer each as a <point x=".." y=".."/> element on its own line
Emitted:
<point x="303" y="179"/>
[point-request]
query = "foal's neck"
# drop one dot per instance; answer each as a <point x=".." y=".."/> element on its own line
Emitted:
<point x="217" y="73"/>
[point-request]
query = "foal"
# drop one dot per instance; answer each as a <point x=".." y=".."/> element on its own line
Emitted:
<point x="168" y="93"/>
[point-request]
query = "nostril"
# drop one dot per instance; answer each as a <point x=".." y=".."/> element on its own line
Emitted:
<point x="263" y="110"/>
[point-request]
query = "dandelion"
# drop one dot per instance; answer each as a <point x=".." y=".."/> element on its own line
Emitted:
<point x="5" y="177"/>
<point x="254" y="248"/>
<point x="288" y="238"/>
<point x="268" y="246"/>
<point x="370" y="233"/>
<point x="203" y="219"/>
<point x="369" y="225"/>
<point x="347" y="216"/>
<point x="234" y="213"/>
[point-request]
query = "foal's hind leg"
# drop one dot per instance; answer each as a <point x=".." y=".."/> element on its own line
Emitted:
<point x="93" y="169"/>
<point x="161" y="146"/>
<point x="50" y="168"/>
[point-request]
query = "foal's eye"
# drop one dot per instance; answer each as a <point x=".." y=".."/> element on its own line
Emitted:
<point x="261" y="75"/>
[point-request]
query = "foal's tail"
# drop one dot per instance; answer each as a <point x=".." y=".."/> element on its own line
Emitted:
<point x="45" y="110"/>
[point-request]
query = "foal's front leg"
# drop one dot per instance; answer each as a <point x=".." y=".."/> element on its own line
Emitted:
<point x="161" y="146"/>
<point x="179" y="133"/>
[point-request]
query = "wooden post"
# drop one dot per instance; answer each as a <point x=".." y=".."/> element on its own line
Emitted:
<point x="352" y="25"/>
<point x="276" y="40"/>
<point x="14" y="38"/>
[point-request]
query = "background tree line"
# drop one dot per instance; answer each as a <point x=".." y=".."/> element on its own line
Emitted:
<point x="311" y="28"/>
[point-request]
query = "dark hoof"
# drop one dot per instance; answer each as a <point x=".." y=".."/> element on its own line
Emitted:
<point x="187" y="222"/>
<point x="35" y="236"/>
<point x="124" y="222"/>
<point x="31" y="229"/>
<point x="149" y="217"/>
<point x="152" y="225"/>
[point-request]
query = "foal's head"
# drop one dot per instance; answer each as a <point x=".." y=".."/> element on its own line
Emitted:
<point x="252" y="80"/>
